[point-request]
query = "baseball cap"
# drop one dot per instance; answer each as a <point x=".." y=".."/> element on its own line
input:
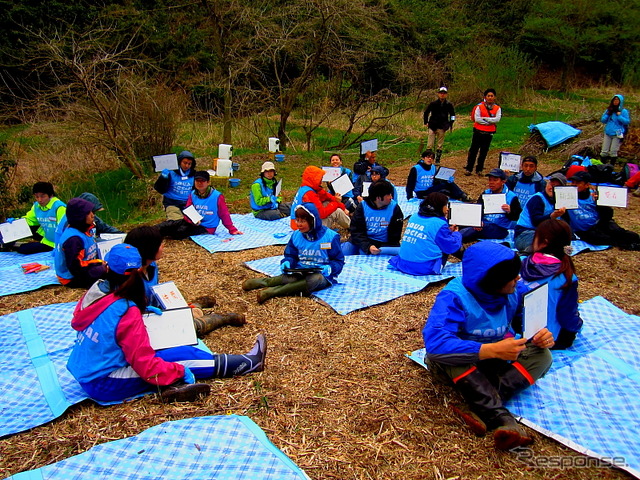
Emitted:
<point x="123" y="257"/>
<point x="580" y="177"/>
<point x="443" y="89"/>
<point x="266" y="166"/>
<point x="204" y="175"/>
<point x="496" y="172"/>
<point x="558" y="177"/>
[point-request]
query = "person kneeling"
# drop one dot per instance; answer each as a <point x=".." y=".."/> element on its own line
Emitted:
<point x="469" y="338"/>
<point x="313" y="251"/>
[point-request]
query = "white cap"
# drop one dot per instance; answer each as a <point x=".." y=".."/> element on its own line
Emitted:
<point x="267" y="166"/>
<point x="443" y="89"/>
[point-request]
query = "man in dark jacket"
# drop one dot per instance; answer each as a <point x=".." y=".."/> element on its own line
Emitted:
<point x="438" y="118"/>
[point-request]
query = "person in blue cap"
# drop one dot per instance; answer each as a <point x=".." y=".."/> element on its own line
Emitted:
<point x="112" y="358"/>
<point x="470" y="340"/>
<point x="176" y="185"/>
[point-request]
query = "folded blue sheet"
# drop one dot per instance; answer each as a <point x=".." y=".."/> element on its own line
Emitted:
<point x="227" y="447"/>
<point x="555" y="133"/>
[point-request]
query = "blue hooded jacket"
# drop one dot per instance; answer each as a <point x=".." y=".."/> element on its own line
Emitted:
<point x="615" y="124"/>
<point x="464" y="315"/>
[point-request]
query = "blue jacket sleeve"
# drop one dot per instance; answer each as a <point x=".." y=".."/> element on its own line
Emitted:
<point x="336" y="259"/>
<point x="291" y="254"/>
<point x="567" y="309"/>
<point x="447" y="241"/>
<point x="440" y="334"/>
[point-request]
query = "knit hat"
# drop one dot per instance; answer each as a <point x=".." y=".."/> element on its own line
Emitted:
<point x="266" y="166"/>
<point x="558" y="177"/>
<point x="185" y="154"/>
<point x="123" y="257"/>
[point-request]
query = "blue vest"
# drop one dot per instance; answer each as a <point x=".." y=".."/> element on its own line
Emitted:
<point x="482" y="326"/>
<point x="424" y="178"/>
<point x="179" y="186"/>
<point x="378" y="220"/>
<point x="313" y="253"/>
<point x="585" y="216"/>
<point x="524" y="191"/>
<point x="345" y="170"/>
<point x="501" y="218"/>
<point x="555" y="292"/>
<point x="297" y="200"/>
<point x="90" y="251"/>
<point x="419" y="239"/>
<point x="525" y="217"/>
<point x="208" y="208"/>
<point x="96" y="352"/>
<point x="266" y="192"/>
<point x="48" y="220"/>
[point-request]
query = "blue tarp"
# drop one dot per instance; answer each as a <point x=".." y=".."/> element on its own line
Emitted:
<point x="554" y="133"/>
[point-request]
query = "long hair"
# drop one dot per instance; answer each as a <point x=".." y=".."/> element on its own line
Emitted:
<point x="129" y="287"/>
<point x="147" y="240"/>
<point x="552" y="237"/>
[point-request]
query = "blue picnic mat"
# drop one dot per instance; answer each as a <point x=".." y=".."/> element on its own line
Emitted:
<point x="589" y="399"/>
<point x="218" y="447"/>
<point x="35" y="385"/>
<point x="578" y="246"/>
<point x="365" y="280"/>
<point x="256" y="233"/>
<point x="14" y="280"/>
<point x="554" y="133"/>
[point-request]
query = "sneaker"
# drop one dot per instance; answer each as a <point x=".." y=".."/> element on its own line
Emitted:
<point x="184" y="392"/>
<point x="259" y="352"/>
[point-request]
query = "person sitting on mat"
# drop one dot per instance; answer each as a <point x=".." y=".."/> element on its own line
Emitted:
<point x="43" y="219"/>
<point x="266" y="205"/>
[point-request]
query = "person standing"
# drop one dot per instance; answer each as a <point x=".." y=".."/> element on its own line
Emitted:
<point x="616" y="119"/>
<point x="438" y="118"/>
<point x="485" y="116"/>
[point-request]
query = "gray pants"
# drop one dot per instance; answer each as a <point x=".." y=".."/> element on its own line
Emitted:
<point x="610" y="146"/>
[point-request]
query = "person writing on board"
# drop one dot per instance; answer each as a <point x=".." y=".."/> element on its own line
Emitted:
<point x="469" y="340"/>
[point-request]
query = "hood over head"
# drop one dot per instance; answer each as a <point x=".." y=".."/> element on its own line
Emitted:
<point x="621" y="97"/>
<point x="312" y="177"/>
<point x="187" y="154"/>
<point x="90" y="197"/>
<point x="317" y="228"/>
<point x="77" y="211"/>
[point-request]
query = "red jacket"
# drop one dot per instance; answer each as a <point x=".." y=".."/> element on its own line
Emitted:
<point x="312" y="177"/>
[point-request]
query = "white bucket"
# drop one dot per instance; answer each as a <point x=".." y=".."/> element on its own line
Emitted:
<point x="224" y="168"/>
<point x="225" y="151"/>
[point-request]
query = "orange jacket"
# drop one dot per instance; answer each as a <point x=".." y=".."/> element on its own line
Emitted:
<point x="485" y="112"/>
<point x="323" y="200"/>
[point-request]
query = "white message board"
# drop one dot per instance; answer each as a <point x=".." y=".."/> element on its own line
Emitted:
<point x="365" y="189"/>
<point x="510" y="162"/>
<point x="278" y="187"/>
<point x="342" y="184"/>
<point x="566" y="197"/>
<point x="15" y="231"/>
<point x="445" y="173"/>
<point x="169" y="296"/>
<point x="612" y="196"/>
<point x="535" y="311"/>
<point x="169" y="161"/>
<point x="330" y="173"/>
<point x="174" y="328"/>
<point x="104" y="246"/>
<point x="493" y="202"/>
<point x="193" y="214"/>
<point x="369" y="146"/>
<point x="465" y="214"/>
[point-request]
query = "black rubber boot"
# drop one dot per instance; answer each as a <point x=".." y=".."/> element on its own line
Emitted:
<point x="205" y="301"/>
<point x="184" y="392"/>
<point x="512" y="381"/>
<point x="438" y="156"/>
<point x="509" y="434"/>
<point x="209" y="323"/>
<point x="287" y="289"/>
<point x="254" y="283"/>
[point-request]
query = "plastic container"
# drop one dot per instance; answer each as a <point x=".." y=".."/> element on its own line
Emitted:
<point x="225" y="151"/>
<point x="223" y="167"/>
<point x="234" y="182"/>
<point x="235" y="166"/>
<point x="279" y="157"/>
<point x="274" y="144"/>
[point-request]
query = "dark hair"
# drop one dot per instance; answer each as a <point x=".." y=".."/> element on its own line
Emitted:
<point x="44" y="187"/>
<point x="556" y="234"/>
<point x="488" y="91"/>
<point x="530" y="158"/>
<point x="379" y="189"/>
<point x="147" y="239"/>
<point x="335" y="155"/>
<point x="435" y="201"/>
<point x="612" y="107"/>
<point x="501" y="274"/>
<point x="130" y="287"/>
<point x="303" y="214"/>
<point x="428" y="153"/>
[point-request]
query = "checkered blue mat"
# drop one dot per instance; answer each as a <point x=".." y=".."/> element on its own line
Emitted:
<point x="14" y="280"/>
<point x="218" y="447"/>
<point x="578" y="245"/>
<point x="589" y="399"/>
<point x="256" y="233"/>
<point x="366" y="280"/>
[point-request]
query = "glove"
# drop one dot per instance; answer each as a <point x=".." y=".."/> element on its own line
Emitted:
<point x="274" y="199"/>
<point x="152" y="309"/>
<point x="279" y="199"/>
<point x="10" y="220"/>
<point x="284" y="265"/>
<point x="188" y="376"/>
<point x="451" y="179"/>
<point x="165" y="173"/>
<point x="326" y="270"/>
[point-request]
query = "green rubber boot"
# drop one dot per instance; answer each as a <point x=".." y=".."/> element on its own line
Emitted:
<point x="283" y="290"/>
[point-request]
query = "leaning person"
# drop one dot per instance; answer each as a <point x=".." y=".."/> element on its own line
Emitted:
<point x="469" y="339"/>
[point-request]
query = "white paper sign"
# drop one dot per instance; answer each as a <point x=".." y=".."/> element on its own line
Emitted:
<point x="169" y="296"/>
<point x="170" y="162"/>
<point x="445" y="173"/>
<point x="112" y="236"/>
<point x="342" y="184"/>
<point x="493" y="202"/>
<point x="365" y="189"/>
<point x="330" y="173"/>
<point x="105" y="245"/>
<point x="566" y="197"/>
<point x="510" y="162"/>
<point x="15" y="231"/>
<point x="369" y="146"/>
<point x="465" y="214"/>
<point x="612" y="196"/>
<point x="193" y="214"/>
<point x="535" y="311"/>
<point x="278" y="187"/>
<point x="173" y="328"/>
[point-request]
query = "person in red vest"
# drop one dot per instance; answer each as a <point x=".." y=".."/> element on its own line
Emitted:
<point x="485" y="116"/>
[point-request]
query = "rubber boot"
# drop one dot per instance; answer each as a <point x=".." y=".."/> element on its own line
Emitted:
<point x="253" y="361"/>
<point x="254" y="283"/>
<point x="209" y="323"/>
<point x="513" y="380"/>
<point x="184" y="392"/>
<point x="438" y="156"/>
<point x="509" y="434"/>
<point x="287" y="289"/>
<point x="205" y="301"/>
